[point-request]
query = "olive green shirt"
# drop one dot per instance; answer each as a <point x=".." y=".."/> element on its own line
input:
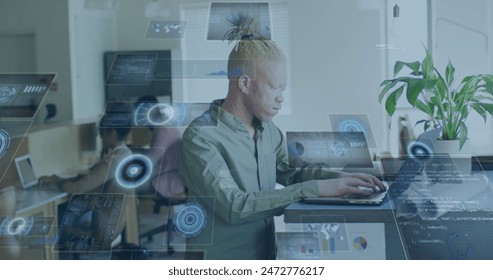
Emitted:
<point x="233" y="177"/>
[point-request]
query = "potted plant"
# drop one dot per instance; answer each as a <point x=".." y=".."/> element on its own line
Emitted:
<point x="446" y="102"/>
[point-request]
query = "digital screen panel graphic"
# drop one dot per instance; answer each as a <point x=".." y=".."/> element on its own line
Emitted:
<point x="298" y="246"/>
<point x="165" y="29"/>
<point x="30" y="231"/>
<point x="353" y="123"/>
<point x="4" y="142"/>
<point x="221" y="13"/>
<point x="194" y="220"/>
<point x="134" y="171"/>
<point x="90" y="223"/>
<point x="322" y="238"/>
<point x="132" y="74"/>
<point x="132" y="69"/>
<point x="12" y="132"/>
<point x="22" y="93"/>
<point x="333" y="148"/>
<point x="448" y="218"/>
<point x="190" y="220"/>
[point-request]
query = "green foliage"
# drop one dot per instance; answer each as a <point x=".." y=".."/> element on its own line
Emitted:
<point x="428" y="91"/>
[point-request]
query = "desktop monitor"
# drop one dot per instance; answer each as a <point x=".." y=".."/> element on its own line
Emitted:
<point x="132" y="74"/>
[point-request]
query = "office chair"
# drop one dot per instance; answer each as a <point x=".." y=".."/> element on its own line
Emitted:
<point x="168" y="227"/>
<point x="159" y="202"/>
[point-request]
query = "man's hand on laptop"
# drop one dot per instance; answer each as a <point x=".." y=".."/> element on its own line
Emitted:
<point x="350" y="183"/>
<point x="378" y="186"/>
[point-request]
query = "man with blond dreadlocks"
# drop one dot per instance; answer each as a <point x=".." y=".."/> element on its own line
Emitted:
<point x="238" y="161"/>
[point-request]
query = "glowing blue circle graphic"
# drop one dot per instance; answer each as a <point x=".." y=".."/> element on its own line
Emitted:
<point x="6" y="93"/>
<point x="133" y="171"/>
<point x="4" y="142"/>
<point x="351" y="126"/>
<point x="16" y="226"/>
<point x="190" y="220"/>
<point x="338" y="149"/>
<point x="160" y="114"/>
<point x="419" y="151"/>
<point x="140" y="115"/>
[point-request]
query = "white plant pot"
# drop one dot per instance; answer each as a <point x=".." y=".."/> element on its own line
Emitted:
<point x="460" y="157"/>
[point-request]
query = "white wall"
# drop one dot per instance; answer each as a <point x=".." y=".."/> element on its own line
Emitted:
<point x="463" y="32"/>
<point x="92" y="32"/>
<point x="131" y="26"/>
<point x="335" y="65"/>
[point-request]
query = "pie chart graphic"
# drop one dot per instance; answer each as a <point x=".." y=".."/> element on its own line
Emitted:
<point x="359" y="243"/>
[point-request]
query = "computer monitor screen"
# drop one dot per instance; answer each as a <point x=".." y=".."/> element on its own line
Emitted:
<point x="132" y="74"/>
<point x="26" y="171"/>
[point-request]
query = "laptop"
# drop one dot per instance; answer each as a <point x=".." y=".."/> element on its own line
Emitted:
<point x="376" y="198"/>
<point x="338" y="150"/>
<point x="27" y="176"/>
<point x="341" y="150"/>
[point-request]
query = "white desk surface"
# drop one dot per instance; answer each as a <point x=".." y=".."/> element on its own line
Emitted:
<point x="30" y="199"/>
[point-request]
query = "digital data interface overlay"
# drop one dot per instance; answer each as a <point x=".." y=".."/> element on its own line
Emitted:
<point x="90" y="223"/>
<point x="21" y="93"/>
<point x="336" y="149"/>
<point x="441" y="211"/>
<point x="353" y="123"/>
<point x="12" y="133"/>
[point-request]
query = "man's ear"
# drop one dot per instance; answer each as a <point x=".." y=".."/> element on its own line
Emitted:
<point x="244" y="83"/>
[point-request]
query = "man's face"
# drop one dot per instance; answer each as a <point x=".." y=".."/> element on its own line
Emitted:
<point x="266" y="89"/>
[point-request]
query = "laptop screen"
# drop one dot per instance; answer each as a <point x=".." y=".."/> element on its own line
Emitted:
<point x="337" y="149"/>
<point x="26" y="171"/>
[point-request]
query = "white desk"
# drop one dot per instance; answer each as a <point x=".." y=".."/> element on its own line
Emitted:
<point x="45" y="203"/>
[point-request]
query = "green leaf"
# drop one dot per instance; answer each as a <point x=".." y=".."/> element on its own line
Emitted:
<point x="479" y="110"/>
<point x="449" y="73"/>
<point x="414" y="66"/>
<point x="385" y="82"/>
<point x="429" y="83"/>
<point x="466" y="79"/>
<point x="386" y="89"/>
<point x="392" y="100"/>
<point x="424" y="107"/>
<point x="479" y="98"/>
<point x="427" y="66"/>
<point x="463" y="134"/>
<point x="414" y="88"/>
<point x="441" y="87"/>
<point x="487" y="107"/>
<point x="488" y="83"/>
